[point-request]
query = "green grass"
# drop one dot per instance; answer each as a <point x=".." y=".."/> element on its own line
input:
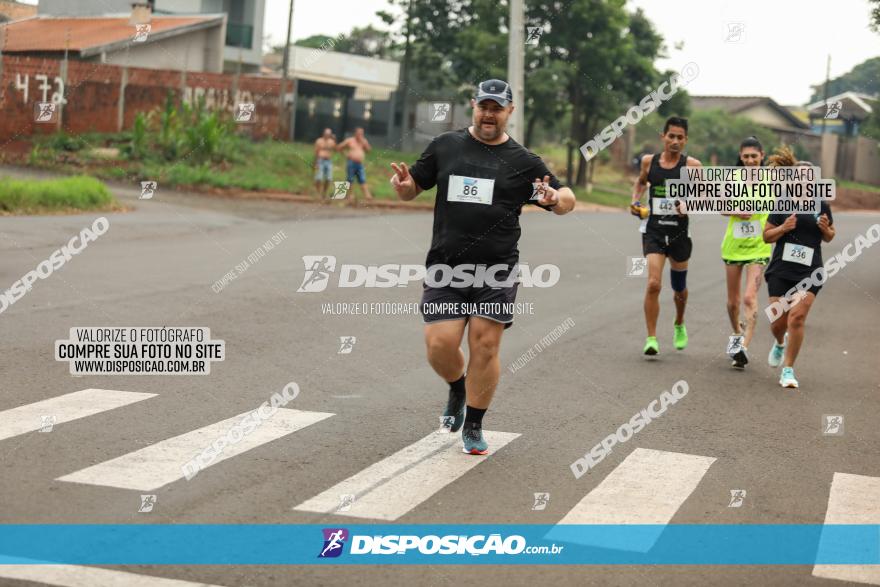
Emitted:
<point x="278" y="167"/>
<point x="599" y="196"/>
<point x="256" y="166"/>
<point x="607" y="180"/>
<point x="858" y="186"/>
<point x="54" y="195"/>
<point x="275" y="166"/>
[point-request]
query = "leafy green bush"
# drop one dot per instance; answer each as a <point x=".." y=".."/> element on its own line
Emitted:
<point x="184" y="131"/>
<point x="64" y="142"/>
<point x="137" y="147"/>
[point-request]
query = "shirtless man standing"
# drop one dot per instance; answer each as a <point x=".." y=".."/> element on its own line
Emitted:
<point x="357" y="146"/>
<point x="324" y="146"/>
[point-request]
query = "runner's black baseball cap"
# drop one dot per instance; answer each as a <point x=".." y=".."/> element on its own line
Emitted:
<point x="494" y="89"/>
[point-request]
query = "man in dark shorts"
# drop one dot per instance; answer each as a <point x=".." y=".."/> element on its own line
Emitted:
<point x="483" y="179"/>
<point x="796" y="255"/>
<point x="664" y="230"/>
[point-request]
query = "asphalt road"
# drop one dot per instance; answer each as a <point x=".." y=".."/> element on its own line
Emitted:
<point x="156" y="265"/>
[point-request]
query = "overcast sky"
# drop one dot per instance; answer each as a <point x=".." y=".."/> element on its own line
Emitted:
<point x="782" y="49"/>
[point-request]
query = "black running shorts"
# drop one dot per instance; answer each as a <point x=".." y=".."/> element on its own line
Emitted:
<point x="677" y="247"/>
<point x="459" y="303"/>
<point x="778" y="286"/>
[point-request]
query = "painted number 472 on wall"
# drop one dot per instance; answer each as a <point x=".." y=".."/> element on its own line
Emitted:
<point x="23" y="85"/>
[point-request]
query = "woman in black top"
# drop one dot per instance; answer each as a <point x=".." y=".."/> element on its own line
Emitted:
<point x="797" y="257"/>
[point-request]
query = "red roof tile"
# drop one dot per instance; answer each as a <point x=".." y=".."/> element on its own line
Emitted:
<point x="53" y="34"/>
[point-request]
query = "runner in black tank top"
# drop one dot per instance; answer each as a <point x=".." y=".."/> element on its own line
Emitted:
<point x="664" y="231"/>
<point x="663" y="216"/>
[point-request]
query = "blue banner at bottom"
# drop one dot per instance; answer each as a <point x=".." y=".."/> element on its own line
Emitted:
<point x="204" y="544"/>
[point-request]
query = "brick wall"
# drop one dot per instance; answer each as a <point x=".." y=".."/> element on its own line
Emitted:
<point x="92" y="95"/>
<point x="16" y="11"/>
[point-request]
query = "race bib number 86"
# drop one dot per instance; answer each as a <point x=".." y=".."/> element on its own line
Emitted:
<point x="472" y="190"/>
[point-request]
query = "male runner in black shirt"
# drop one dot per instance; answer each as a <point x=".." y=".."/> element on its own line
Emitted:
<point x="664" y="231"/>
<point x="483" y="178"/>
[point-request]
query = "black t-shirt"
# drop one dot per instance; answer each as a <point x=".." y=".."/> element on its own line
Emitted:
<point x="805" y="234"/>
<point x="480" y="192"/>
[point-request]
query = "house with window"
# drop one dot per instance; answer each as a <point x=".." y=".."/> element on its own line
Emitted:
<point x="241" y="44"/>
<point x="187" y="43"/>
<point x="339" y="91"/>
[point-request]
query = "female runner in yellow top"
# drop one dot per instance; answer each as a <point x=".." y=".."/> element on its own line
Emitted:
<point x="744" y="248"/>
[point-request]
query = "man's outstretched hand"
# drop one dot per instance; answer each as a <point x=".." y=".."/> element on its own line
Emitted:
<point x="547" y="196"/>
<point x="402" y="182"/>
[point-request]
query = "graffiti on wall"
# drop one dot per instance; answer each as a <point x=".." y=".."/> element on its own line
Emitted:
<point x="22" y="84"/>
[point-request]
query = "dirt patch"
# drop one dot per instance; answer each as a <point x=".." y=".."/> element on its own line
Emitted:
<point x="16" y="151"/>
<point x="856" y="199"/>
<point x="41" y="211"/>
<point x="303" y="198"/>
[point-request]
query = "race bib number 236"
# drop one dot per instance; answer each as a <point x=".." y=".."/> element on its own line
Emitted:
<point x="471" y="190"/>
<point x="798" y="254"/>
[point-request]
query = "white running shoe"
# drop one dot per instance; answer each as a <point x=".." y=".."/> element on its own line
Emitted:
<point x="735" y="345"/>
<point x="777" y="353"/>
<point x="786" y="379"/>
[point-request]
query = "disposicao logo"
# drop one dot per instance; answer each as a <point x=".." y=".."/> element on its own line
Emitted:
<point x="318" y="270"/>
<point x="334" y="540"/>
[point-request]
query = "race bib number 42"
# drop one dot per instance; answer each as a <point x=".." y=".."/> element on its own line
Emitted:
<point x="471" y="190"/>
<point x="747" y="229"/>
<point x="663" y="206"/>
<point x="797" y="254"/>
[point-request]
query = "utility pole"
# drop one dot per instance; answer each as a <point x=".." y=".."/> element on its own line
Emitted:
<point x="285" y="64"/>
<point x="825" y="92"/>
<point x="64" y="69"/>
<point x="404" y="75"/>
<point x="515" y="76"/>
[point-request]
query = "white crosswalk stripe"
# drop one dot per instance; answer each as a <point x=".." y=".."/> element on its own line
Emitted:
<point x="395" y="485"/>
<point x="648" y="487"/>
<point x="79" y="576"/>
<point x="854" y="499"/>
<point x="162" y="463"/>
<point x="64" y="408"/>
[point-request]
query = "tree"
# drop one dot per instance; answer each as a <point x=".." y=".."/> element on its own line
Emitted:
<point x="870" y="127"/>
<point x="864" y="78"/>
<point x="313" y="42"/>
<point x="710" y="132"/>
<point x="677" y="105"/>
<point x="447" y="47"/>
<point x="609" y="58"/>
<point x="594" y="60"/>
<point x="546" y="96"/>
<point x="367" y="41"/>
<point x="432" y="35"/>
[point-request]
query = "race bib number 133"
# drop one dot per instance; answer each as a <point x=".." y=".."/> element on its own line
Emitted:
<point x="747" y="229"/>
